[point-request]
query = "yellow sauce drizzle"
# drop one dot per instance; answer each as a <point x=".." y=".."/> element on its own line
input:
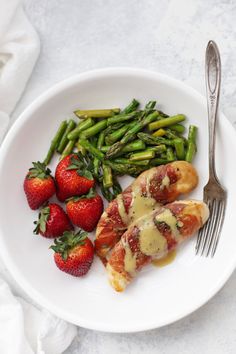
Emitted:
<point x="149" y="175"/>
<point x="121" y="208"/>
<point x="165" y="182"/>
<point x="152" y="243"/>
<point x="162" y="262"/>
<point x="129" y="260"/>
<point x="167" y="217"/>
<point x="141" y="205"/>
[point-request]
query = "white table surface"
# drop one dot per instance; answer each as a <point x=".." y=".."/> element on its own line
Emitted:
<point x="162" y="35"/>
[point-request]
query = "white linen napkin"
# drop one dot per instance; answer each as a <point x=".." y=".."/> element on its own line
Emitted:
<point x="19" y="50"/>
<point x="24" y="329"/>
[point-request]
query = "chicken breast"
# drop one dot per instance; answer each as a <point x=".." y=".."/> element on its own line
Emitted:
<point x="153" y="188"/>
<point x="152" y="237"/>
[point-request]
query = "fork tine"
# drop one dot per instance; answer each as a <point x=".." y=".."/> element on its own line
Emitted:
<point x="208" y="236"/>
<point x="217" y="236"/>
<point x="202" y="233"/>
<point x="199" y="237"/>
<point x="214" y="227"/>
<point x="208" y="226"/>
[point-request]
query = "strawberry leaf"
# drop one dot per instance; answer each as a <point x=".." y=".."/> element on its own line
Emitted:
<point x="41" y="224"/>
<point x="64" y="255"/>
<point x="89" y="195"/>
<point x="75" y="164"/>
<point x="39" y="170"/>
<point x="81" y="166"/>
<point x="87" y="174"/>
<point x="69" y="240"/>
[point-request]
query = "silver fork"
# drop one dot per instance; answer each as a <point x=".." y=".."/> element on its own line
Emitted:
<point x="214" y="194"/>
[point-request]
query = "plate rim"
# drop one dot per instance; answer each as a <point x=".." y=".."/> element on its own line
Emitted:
<point x="7" y="259"/>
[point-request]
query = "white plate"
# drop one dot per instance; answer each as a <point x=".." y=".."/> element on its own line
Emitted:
<point x="159" y="296"/>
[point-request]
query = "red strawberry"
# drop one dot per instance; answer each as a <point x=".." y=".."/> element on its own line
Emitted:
<point x="73" y="253"/>
<point x="85" y="211"/>
<point x="52" y="221"/>
<point x="39" y="185"/>
<point x="72" y="177"/>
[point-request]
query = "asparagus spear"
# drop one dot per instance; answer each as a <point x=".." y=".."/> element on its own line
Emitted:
<point x="143" y="155"/>
<point x="64" y="140"/>
<point x="153" y="140"/>
<point x="93" y="140"/>
<point x="111" y="193"/>
<point x="96" y="161"/>
<point x="163" y="115"/>
<point x="55" y="141"/>
<point x="96" y="113"/>
<point x="132" y="170"/>
<point x="107" y="194"/>
<point x="116" y="187"/>
<point x="192" y="147"/>
<point x="159" y="132"/>
<point x="133" y="146"/>
<point x="84" y="124"/>
<point x="131" y="107"/>
<point x="80" y="148"/>
<point x="112" y="128"/>
<point x="170" y="154"/>
<point x="125" y="161"/>
<point x="179" y="148"/>
<point x="101" y="139"/>
<point x="107" y="176"/>
<point x="68" y="149"/>
<point x="92" y="149"/>
<point x="116" y="135"/>
<point x="130" y="135"/>
<point x="158" y="161"/>
<point x="157" y="149"/>
<point x="166" y="122"/>
<point x="178" y="128"/>
<point x="95" y="129"/>
<point x="149" y="108"/>
<point x="171" y="134"/>
<point x="122" y="117"/>
<point x="105" y="148"/>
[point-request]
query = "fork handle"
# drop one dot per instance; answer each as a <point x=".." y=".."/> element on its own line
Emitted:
<point x="213" y="79"/>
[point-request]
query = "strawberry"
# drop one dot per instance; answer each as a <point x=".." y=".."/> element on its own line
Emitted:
<point x="52" y="221"/>
<point x="74" y="253"/>
<point x="85" y="211"/>
<point x="39" y="185"/>
<point x="72" y="177"/>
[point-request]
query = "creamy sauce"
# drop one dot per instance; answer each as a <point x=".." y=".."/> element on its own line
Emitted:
<point x="167" y="217"/>
<point x="162" y="262"/>
<point x="151" y="240"/>
<point x="129" y="260"/>
<point x="165" y="182"/>
<point x="141" y="205"/>
<point x="121" y="208"/>
<point x="149" y="175"/>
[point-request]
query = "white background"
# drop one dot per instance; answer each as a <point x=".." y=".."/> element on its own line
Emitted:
<point x="166" y="36"/>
